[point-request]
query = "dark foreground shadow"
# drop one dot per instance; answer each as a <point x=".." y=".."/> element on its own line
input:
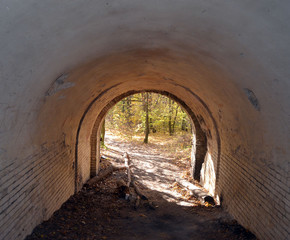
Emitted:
<point x="98" y="213"/>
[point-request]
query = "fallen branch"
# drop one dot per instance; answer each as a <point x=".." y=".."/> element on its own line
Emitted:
<point x="122" y="189"/>
<point x="104" y="174"/>
<point x="138" y="191"/>
<point x="127" y="165"/>
<point x="131" y="182"/>
<point x="197" y="192"/>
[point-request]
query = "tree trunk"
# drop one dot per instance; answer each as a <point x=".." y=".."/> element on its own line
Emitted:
<point x="169" y="118"/>
<point x="123" y="106"/>
<point x="183" y="124"/>
<point x="174" y="120"/>
<point x="129" y="113"/>
<point x="146" y="118"/>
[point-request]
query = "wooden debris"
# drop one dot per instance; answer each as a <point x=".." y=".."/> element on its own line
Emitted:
<point x="199" y="193"/>
<point x="127" y="165"/>
<point x="122" y="188"/>
<point x="152" y="205"/>
<point x="138" y="191"/>
<point x="104" y="174"/>
<point x="132" y="182"/>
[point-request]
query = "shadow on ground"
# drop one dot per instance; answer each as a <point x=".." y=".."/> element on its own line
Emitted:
<point x="98" y="213"/>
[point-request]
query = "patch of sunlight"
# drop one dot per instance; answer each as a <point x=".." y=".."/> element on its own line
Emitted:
<point x="208" y="176"/>
<point x="167" y="194"/>
<point x="185" y="204"/>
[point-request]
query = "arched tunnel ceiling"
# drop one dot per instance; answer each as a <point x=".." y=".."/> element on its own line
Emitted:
<point x="141" y="70"/>
<point x="41" y="41"/>
<point x="56" y="57"/>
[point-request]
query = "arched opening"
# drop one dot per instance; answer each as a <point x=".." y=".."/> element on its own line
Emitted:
<point x="199" y="145"/>
<point x="161" y="124"/>
<point x="203" y="165"/>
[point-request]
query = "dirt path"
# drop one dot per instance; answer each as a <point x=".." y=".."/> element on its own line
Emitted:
<point x="97" y="212"/>
<point x="155" y="171"/>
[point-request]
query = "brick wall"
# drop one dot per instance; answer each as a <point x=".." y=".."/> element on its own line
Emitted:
<point x="33" y="188"/>
<point x="256" y="195"/>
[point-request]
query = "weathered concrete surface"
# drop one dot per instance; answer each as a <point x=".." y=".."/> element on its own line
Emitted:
<point x="227" y="61"/>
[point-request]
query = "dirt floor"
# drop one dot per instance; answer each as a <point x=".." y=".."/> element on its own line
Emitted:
<point x="170" y="212"/>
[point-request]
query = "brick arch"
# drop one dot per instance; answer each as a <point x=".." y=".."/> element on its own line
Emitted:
<point x="201" y="129"/>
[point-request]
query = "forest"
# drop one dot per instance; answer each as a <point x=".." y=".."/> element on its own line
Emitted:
<point x="147" y="113"/>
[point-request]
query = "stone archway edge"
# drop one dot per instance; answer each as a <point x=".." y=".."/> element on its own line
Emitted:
<point x="130" y="92"/>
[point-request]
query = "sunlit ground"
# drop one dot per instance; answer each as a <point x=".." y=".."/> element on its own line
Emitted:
<point x="156" y="165"/>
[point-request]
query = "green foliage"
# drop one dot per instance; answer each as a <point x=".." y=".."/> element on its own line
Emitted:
<point x="164" y="114"/>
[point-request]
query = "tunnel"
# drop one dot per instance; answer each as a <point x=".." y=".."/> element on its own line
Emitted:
<point x="64" y="64"/>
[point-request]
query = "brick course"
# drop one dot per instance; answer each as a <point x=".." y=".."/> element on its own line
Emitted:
<point x="41" y="185"/>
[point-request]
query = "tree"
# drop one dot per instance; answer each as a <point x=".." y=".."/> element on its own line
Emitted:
<point x="172" y="118"/>
<point x="147" y="113"/>
<point x="146" y="109"/>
